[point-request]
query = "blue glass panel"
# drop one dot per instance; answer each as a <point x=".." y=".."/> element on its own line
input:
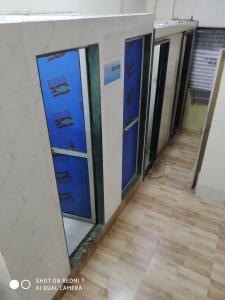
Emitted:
<point x="73" y="184"/>
<point x="62" y="93"/>
<point x="129" y="154"/>
<point x="132" y="80"/>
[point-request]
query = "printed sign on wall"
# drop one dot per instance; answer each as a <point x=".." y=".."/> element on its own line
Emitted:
<point x="111" y="72"/>
<point x="208" y="43"/>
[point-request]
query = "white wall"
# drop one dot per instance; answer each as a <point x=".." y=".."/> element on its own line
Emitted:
<point x="132" y="6"/>
<point x="151" y="6"/>
<point x="75" y="6"/>
<point x="209" y="12"/>
<point x="32" y="239"/>
<point x="211" y="178"/>
<point x="164" y="9"/>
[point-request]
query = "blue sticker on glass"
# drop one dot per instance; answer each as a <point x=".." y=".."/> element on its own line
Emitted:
<point x="60" y="78"/>
<point x="73" y="184"/>
<point x="63" y="100"/>
<point x="111" y="72"/>
<point x="132" y="80"/>
<point x="132" y="87"/>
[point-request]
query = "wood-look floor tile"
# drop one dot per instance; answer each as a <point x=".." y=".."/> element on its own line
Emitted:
<point x="216" y="290"/>
<point x="68" y="296"/>
<point x="203" y="241"/>
<point x="89" y="291"/>
<point x="192" y="282"/>
<point x="188" y="295"/>
<point x="198" y="262"/>
<point x="167" y="244"/>
<point x="218" y="269"/>
<point x="148" y="291"/>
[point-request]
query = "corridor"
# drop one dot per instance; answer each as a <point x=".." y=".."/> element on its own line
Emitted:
<point x="166" y="244"/>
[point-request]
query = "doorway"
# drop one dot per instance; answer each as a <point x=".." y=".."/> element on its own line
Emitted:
<point x="64" y="84"/>
<point x="131" y="111"/>
<point x="159" y="70"/>
<point x="182" y="82"/>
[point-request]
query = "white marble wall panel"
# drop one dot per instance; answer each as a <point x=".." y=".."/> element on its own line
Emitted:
<point x="210" y="184"/>
<point x="32" y="239"/>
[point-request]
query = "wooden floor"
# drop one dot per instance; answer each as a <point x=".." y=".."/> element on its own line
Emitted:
<point x="166" y="244"/>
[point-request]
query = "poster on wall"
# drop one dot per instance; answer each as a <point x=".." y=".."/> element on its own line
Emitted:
<point x="208" y="43"/>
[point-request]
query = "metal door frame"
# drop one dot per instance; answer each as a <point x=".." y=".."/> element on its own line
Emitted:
<point x="193" y="32"/>
<point x="158" y="42"/>
<point x="150" y="71"/>
<point x="84" y="85"/>
<point x="145" y="164"/>
<point x="88" y="155"/>
<point x="179" y="125"/>
<point x="136" y="120"/>
<point x="178" y="83"/>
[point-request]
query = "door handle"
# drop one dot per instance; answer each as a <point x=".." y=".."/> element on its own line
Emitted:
<point x="130" y="125"/>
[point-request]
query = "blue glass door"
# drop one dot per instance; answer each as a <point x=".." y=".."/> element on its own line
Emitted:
<point x="64" y="88"/>
<point x="131" y="110"/>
